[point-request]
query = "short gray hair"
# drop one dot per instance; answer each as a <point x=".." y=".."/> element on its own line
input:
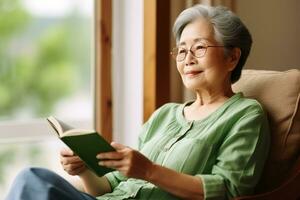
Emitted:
<point x="229" y="30"/>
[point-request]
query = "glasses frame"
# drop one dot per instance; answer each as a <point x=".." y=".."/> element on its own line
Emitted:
<point x="175" y="50"/>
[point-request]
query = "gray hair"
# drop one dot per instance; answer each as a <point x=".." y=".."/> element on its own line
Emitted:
<point x="229" y="31"/>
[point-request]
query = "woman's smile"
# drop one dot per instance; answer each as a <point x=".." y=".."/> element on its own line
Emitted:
<point x="193" y="73"/>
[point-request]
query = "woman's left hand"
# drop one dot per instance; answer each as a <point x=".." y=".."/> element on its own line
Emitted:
<point x="129" y="162"/>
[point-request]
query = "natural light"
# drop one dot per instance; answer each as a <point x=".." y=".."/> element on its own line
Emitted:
<point x="46" y="62"/>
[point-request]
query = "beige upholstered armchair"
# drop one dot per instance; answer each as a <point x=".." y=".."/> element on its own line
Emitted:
<point x="279" y="94"/>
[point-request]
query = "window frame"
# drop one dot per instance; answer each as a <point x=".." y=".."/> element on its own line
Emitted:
<point x="103" y="69"/>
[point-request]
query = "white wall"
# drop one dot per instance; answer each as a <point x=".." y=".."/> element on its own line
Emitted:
<point x="127" y="70"/>
<point x="275" y="28"/>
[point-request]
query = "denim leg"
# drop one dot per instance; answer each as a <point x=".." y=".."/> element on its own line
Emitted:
<point x="43" y="184"/>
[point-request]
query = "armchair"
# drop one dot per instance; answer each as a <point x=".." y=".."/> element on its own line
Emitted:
<point x="279" y="94"/>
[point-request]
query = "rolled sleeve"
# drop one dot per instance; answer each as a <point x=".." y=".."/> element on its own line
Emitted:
<point x="114" y="178"/>
<point x="213" y="186"/>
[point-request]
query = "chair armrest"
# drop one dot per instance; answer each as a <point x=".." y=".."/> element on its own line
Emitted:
<point x="289" y="190"/>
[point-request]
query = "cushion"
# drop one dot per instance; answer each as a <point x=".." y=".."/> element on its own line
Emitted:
<point x="278" y="92"/>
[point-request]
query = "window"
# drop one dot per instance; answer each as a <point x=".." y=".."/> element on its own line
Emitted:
<point x="46" y="59"/>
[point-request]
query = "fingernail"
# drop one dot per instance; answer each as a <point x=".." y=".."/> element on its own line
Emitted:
<point x="100" y="163"/>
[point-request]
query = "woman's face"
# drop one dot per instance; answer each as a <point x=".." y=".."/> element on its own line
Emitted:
<point x="212" y="70"/>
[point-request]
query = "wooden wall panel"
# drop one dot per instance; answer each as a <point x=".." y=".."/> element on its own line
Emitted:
<point x="103" y="88"/>
<point x="156" y="55"/>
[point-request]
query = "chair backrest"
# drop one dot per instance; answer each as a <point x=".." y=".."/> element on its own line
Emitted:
<point x="278" y="92"/>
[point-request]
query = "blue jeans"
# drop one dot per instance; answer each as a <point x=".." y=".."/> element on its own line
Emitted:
<point x="43" y="184"/>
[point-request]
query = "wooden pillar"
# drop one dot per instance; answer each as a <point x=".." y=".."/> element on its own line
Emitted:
<point x="103" y="86"/>
<point x="156" y="54"/>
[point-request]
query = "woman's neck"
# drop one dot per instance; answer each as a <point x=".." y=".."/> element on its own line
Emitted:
<point x="206" y="97"/>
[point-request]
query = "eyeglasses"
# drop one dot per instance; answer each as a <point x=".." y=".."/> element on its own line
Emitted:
<point x="198" y="50"/>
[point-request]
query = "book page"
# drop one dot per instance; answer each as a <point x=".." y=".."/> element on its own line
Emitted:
<point x="74" y="132"/>
<point x="55" y="125"/>
<point x="63" y="129"/>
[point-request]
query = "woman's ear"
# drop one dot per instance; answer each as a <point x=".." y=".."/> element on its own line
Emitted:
<point x="234" y="58"/>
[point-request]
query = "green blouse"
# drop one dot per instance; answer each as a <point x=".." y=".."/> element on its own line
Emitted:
<point x="226" y="150"/>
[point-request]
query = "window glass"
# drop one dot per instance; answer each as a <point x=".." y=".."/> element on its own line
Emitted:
<point x="46" y="60"/>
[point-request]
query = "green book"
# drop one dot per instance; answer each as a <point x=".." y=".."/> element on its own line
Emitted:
<point x="84" y="143"/>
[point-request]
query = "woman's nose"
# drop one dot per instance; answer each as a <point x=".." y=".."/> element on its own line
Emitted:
<point x="189" y="58"/>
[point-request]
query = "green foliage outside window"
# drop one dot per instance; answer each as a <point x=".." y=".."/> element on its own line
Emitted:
<point x="42" y="61"/>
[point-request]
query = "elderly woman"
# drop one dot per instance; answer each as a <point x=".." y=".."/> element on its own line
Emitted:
<point x="211" y="148"/>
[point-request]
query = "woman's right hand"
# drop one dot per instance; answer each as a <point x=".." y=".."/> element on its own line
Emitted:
<point x="71" y="163"/>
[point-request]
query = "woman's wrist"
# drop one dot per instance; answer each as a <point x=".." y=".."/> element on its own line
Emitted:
<point x="151" y="171"/>
<point x="86" y="173"/>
